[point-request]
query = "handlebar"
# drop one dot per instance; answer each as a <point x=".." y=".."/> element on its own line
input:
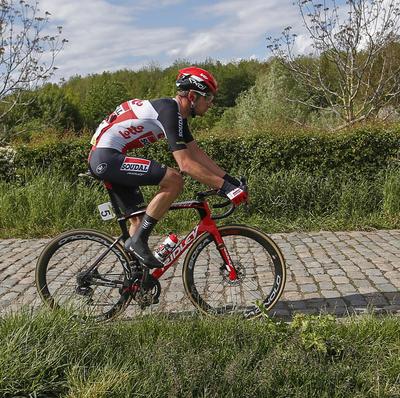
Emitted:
<point x="203" y="194"/>
<point x="213" y="192"/>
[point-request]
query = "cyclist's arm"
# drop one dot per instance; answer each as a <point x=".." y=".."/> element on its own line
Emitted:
<point x="196" y="170"/>
<point x="202" y="174"/>
<point x="204" y="159"/>
<point x="197" y="154"/>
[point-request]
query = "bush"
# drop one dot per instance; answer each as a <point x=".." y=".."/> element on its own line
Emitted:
<point x="359" y="150"/>
<point x="363" y="150"/>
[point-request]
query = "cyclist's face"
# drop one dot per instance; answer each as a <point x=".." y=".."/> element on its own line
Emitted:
<point x="203" y="104"/>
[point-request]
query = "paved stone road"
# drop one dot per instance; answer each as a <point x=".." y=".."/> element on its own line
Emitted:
<point x="340" y="272"/>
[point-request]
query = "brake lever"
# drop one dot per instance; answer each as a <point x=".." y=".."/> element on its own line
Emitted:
<point x="244" y="187"/>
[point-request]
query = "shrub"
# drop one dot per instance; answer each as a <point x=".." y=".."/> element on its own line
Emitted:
<point x="359" y="150"/>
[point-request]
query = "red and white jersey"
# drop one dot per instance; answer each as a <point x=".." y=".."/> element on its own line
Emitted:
<point x="137" y="123"/>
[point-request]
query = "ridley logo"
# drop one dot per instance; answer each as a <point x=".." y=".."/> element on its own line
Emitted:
<point x="101" y="168"/>
<point x="135" y="164"/>
<point x="182" y="247"/>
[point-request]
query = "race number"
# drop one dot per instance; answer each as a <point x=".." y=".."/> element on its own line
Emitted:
<point x="106" y="211"/>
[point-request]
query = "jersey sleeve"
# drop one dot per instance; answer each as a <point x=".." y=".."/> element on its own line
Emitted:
<point x="176" y="128"/>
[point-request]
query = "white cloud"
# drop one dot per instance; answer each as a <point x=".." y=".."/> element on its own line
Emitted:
<point x="239" y="26"/>
<point x="103" y="36"/>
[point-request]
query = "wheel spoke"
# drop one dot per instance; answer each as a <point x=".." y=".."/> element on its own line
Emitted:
<point x="61" y="275"/>
<point x="259" y="266"/>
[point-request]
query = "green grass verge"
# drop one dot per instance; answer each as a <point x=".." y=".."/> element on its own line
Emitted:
<point x="45" y="354"/>
<point x="46" y="204"/>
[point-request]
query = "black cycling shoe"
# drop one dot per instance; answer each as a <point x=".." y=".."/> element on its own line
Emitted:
<point x="142" y="252"/>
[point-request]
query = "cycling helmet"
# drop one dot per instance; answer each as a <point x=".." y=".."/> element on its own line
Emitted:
<point x="198" y="79"/>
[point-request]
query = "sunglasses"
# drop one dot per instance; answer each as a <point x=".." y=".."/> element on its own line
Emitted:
<point x="208" y="97"/>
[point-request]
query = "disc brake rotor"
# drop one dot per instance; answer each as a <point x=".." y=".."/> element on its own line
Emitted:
<point x="240" y="272"/>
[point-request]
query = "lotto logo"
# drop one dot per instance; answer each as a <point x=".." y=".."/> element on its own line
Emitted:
<point x="136" y="164"/>
<point x="234" y="193"/>
<point x="131" y="131"/>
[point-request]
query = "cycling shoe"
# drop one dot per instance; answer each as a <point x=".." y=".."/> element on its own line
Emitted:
<point x="142" y="252"/>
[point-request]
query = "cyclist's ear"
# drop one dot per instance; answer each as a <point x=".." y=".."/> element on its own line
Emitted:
<point x="191" y="95"/>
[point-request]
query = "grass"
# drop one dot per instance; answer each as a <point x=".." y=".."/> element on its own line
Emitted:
<point x="45" y="354"/>
<point x="45" y="204"/>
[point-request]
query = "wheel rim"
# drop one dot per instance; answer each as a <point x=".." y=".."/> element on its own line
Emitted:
<point x="60" y="277"/>
<point x="260" y="274"/>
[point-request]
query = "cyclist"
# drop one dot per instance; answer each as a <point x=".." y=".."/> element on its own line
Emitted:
<point x="137" y="123"/>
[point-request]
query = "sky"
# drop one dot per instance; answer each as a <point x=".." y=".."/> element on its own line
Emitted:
<point x="110" y="35"/>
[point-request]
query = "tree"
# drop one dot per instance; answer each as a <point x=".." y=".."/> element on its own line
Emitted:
<point x="263" y="104"/>
<point x="353" y="71"/>
<point x="101" y="99"/>
<point x="233" y="78"/>
<point x="26" y="61"/>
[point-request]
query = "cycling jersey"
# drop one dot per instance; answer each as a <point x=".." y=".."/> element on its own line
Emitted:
<point x="137" y="123"/>
<point x="134" y="124"/>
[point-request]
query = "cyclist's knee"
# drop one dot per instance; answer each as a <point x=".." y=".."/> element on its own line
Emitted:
<point x="173" y="180"/>
<point x="179" y="181"/>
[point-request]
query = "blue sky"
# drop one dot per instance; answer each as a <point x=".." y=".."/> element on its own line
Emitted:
<point x="109" y="35"/>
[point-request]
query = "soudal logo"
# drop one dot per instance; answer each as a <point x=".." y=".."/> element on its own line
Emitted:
<point x="180" y="126"/>
<point x="136" y="164"/>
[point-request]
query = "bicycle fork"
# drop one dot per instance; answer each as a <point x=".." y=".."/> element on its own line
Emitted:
<point x="227" y="261"/>
<point x="223" y="251"/>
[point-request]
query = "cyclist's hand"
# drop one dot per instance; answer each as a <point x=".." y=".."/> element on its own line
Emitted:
<point x="235" y="194"/>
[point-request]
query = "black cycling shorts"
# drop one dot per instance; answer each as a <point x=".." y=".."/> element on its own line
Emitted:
<point x="126" y="174"/>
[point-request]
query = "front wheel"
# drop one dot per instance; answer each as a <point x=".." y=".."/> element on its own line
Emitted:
<point x="259" y="264"/>
<point x="62" y="279"/>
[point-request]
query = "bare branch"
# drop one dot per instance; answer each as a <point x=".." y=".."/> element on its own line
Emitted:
<point x="355" y="62"/>
<point x="26" y="58"/>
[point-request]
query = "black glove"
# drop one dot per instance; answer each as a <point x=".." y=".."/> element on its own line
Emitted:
<point x="235" y="194"/>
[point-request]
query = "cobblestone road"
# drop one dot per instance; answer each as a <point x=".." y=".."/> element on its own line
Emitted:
<point x="341" y="272"/>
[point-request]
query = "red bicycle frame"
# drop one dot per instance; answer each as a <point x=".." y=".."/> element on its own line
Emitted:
<point x="206" y="224"/>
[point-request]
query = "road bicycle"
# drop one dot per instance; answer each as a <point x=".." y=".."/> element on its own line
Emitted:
<point x="228" y="269"/>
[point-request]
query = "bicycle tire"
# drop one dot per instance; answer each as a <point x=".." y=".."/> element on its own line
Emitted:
<point x="69" y="254"/>
<point x="260" y="266"/>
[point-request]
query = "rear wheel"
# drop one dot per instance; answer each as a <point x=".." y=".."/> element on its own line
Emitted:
<point x="62" y="281"/>
<point x="259" y="265"/>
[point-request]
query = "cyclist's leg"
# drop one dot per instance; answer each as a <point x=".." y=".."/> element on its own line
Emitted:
<point x="171" y="186"/>
<point x="120" y="169"/>
<point x="135" y="223"/>
<point x="130" y="200"/>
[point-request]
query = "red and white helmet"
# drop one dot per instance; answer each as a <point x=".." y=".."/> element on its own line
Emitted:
<point x="194" y="78"/>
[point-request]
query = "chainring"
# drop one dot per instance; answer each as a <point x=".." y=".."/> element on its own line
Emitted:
<point x="148" y="296"/>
